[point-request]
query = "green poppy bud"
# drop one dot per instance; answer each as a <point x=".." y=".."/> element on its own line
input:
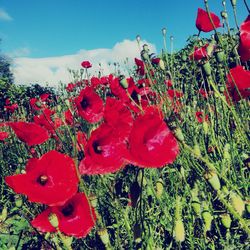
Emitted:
<point x="159" y="188"/>
<point x="138" y="38"/>
<point x="161" y="64"/>
<point x="197" y="150"/>
<point x="164" y="31"/>
<point x="226" y="154"/>
<point x="220" y="56"/>
<point x="179" y="135"/>
<point x="104" y="236"/>
<point x="213" y="180"/>
<point x="123" y="81"/>
<point x="205" y="127"/>
<point x="4" y="214"/>
<point x="144" y="55"/>
<point x="53" y="220"/>
<point x="18" y="201"/>
<point x="93" y="200"/>
<point x="179" y="231"/>
<point x="237" y="203"/>
<point x="145" y="47"/>
<point x="184" y="57"/>
<point x="196" y="205"/>
<point x="224" y="14"/>
<point x="233" y="2"/>
<point x="207" y="68"/>
<point x="207" y="218"/>
<point x="226" y="220"/>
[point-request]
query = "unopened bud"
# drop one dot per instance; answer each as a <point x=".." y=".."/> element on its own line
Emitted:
<point x="220" y="56"/>
<point x="197" y="150"/>
<point x="213" y="179"/>
<point x="179" y="135"/>
<point x="104" y="236"/>
<point x="159" y="188"/>
<point x="138" y="38"/>
<point x="123" y="81"/>
<point x="233" y="2"/>
<point x="164" y="31"/>
<point x="93" y="200"/>
<point x="207" y="218"/>
<point x="226" y="153"/>
<point x="207" y="68"/>
<point x="205" y="127"/>
<point x="53" y="220"/>
<point x="237" y="203"/>
<point x="224" y="14"/>
<point x="179" y="231"/>
<point x="226" y="220"/>
<point x="18" y="201"/>
<point x="4" y="214"/>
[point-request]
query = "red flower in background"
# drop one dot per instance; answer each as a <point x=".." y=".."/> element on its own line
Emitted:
<point x="244" y="46"/>
<point x="140" y="67"/>
<point x="81" y="140"/>
<point x="89" y="105"/>
<point x="71" y="86"/>
<point x="29" y="132"/>
<point x="105" y="152"/>
<point x="75" y="218"/>
<point x="50" y="180"/>
<point x="238" y="81"/>
<point x="201" y="117"/>
<point x="69" y="119"/>
<point x="151" y="142"/>
<point x="199" y="53"/>
<point x="3" y="135"/>
<point x="10" y="107"/>
<point x="203" y="22"/>
<point x="86" y="64"/>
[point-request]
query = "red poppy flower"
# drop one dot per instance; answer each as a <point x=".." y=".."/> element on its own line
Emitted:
<point x="75" y="218"/>
<point x="199" y="53"/>
<point x="35" y="104"/>
<point x="81" y="140"/>
<point x="201" y="117"/>
<point x="244" y="46"/>
<point x="105" y="152"/>
<point x="86" y="64"/>
<point x="70" y="87"/>
<point x="151" y="142"/>
<point x="168" y="83"/>
<point x="89" y="105"/>
<point x="203" y="22"/>
<point x="29" y="132"/>
<point x="50" y="180"/>
<point x="3" y="135"/>
<point x="140" y="67"/>
<point x="118" y="116"/>
<point x="117" y="90"/>
<point x="11" y="107"/>
<point x="238" y="81"/>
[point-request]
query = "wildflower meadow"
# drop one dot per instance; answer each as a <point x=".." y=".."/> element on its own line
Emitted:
<point x="155" y="159"/>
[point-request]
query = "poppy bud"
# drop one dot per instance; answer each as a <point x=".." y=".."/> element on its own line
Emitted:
<point x="213" y="179"/>
<point x="196" y="205"/>
<point x="138" y="38"/>
<point x="179" y="231"/>
<point x="237" y="203"/>
<point x="38" y="104"/>
<point x="179" y="135"/>
<point x="123" y="81"/>
<point x="104" y="236"/>
<point x="144" y="55"/>
<point x="4" y="214"/>
<point x="53" y="220"/>
<point x="224" y="14"/>
<point x="205" y="127"/>
<point x="67" y="102"/>
<point x="145" y="47"/>
<point x="159" y="188"/>
<point x="18" y="201"/>
<point x="93" y="200"/>
<point x="197" y="150"/>
<point x="207" y="218"/>
<point x="184" y="57"/>
<point x="224" y="3"/>
<point x="161" y="64"/>
<point x="207" y="68"/>
<point x="233" y="2"/>
<point x="140" y="180"/>
<point x="220" y="56"/>
<point x="226" y="220"/>
<point x="226" y="153"/>
<point x="20" y="160"/>
<point x="59" y="108"/>
<point x="164" y="31"/>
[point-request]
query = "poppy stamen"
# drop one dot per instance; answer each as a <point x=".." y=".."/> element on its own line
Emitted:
<point x="42" y="179"/>
<point x="84" y="103"/>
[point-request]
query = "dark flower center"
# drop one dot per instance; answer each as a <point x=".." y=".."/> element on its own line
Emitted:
<point x="84" y="103"/>
<point x="97" y="147"/>
<point x="68" y="210"/>
<point x="42" y="180"/>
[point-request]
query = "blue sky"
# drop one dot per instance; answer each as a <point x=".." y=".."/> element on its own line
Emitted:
<point x="54" y="28"/>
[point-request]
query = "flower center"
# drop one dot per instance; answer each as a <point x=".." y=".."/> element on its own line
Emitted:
<point x="84" y="103"/>
<point x="42" y="179"/>
<point x="97" y="147"/>
<point x="68" y="210"/>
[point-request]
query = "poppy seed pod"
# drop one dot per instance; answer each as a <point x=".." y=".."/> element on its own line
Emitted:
<point x="138" y="38"/>
<point x="164" y="31"/>
<point x="53" y="219"/>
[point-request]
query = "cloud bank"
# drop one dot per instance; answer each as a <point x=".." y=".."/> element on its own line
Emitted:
<point x="4" y="16"/>
<point x="52" y="70"/>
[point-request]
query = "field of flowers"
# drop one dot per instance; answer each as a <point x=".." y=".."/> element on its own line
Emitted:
<point x="158" y="159"/>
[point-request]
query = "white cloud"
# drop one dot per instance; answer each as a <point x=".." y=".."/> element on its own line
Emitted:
<point x="4" y="15"/>
<point x="21" y="52"/>
<point x="51" y="70"/>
